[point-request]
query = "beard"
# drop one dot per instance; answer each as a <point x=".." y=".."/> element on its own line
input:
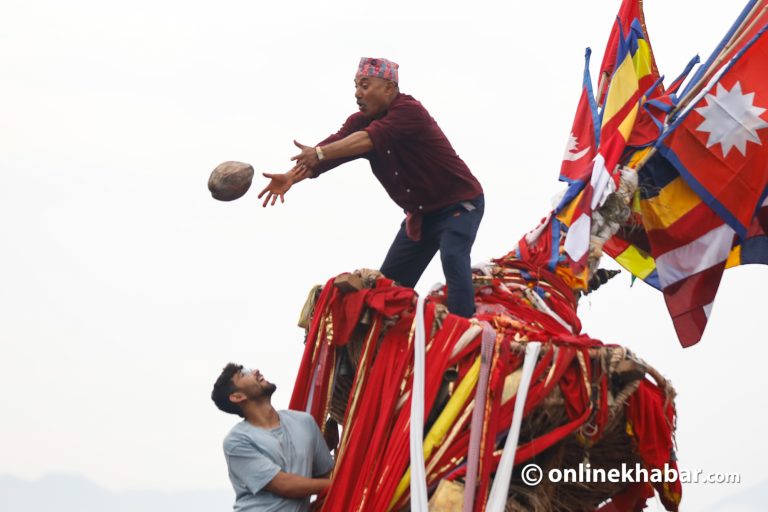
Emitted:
<point x="261" y="391"/>
<point x="269" y="389"/>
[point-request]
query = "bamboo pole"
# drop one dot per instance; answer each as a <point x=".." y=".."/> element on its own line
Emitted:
<point x="738" y="38"/>
<point x="694" y="93"/>
<point x="602" y="81"/>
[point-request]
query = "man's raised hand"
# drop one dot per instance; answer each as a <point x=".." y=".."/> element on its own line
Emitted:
<point x="307" y="158"/>
<point x="279" y="184"/>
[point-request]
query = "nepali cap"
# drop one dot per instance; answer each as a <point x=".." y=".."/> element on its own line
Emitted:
<point x="380" y="68"/>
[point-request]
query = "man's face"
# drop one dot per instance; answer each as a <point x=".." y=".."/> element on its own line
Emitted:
<point x="373" y="95"/>
<point x="252" y="384"/>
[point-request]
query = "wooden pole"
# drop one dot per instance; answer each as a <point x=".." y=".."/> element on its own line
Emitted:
<point x="601" y="86"/>
<point x="739" y="36"/>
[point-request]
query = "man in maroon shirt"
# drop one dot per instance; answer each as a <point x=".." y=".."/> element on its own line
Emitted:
<point x="419" y="169"/>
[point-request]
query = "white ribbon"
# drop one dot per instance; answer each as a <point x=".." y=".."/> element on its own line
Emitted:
<point x="498" y="497"/>
<point x="418" y="470"/>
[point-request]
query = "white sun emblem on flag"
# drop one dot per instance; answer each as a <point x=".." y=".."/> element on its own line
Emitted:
<point x="731" y="118"/>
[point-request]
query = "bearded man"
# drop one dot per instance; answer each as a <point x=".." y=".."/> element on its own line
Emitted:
<point x="276" y="459"/>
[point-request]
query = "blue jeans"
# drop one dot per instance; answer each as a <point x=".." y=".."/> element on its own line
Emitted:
<point x="451" y="230"/>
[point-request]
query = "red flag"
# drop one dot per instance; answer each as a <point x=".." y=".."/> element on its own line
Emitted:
<point x="719" y="143"/>
<point x="749" y="23"/>
<point x="582" y="141"/>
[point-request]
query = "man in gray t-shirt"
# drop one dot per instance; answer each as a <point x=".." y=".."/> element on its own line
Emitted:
<point x="276" y="459"/>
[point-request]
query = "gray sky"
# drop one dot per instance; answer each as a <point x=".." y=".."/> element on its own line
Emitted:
<point x="125" y="288"/>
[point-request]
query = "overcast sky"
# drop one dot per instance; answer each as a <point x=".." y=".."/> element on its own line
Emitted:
<point x="124" y="287"/>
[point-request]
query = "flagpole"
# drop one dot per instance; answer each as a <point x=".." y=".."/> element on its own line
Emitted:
<point x="601" y="86"/>
<point x="742" y="32"/>
<point x="704" y="81"/>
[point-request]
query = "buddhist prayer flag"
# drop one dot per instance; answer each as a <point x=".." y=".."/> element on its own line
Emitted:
<point x="618" y="118"/>
<point x="665" y="209"/>
<point x="646" y="130"/>
<point x="630" y="246"/>
<point x="627" y="71"/>
<point x="703" y="196"/>
<point x="689" y="242"/>
<point x="702" y="203"/>
<point x="631" y="11"/>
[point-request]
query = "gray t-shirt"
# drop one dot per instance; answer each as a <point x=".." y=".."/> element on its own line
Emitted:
<point x="256" y="455"/>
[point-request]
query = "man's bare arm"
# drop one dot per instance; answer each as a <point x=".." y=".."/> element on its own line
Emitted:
<point x="354" y="144"/>
<point x="290" y="485"/>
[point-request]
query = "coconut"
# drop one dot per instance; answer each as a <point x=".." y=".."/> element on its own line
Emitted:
<point x="230" y="180"/>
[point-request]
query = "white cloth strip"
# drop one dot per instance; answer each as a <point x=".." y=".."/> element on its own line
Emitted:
<point x="470" y="334"/>
<point x="601" y="181"/>
<point x="542" y="306"/>
<point x="418" y="471"/>
<point x="577" y="238"/>
<point x="498" y="497"/>
<point x="706" y="251"/>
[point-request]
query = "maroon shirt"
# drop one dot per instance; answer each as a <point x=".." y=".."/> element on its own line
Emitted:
<point x="411" y="157"/>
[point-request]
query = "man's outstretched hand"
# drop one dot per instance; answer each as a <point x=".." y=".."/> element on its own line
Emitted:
<point x="279" y="184"/>
<point x="307" y="158"/>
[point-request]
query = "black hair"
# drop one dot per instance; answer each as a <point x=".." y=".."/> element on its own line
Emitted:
<point x="225" y="387"/>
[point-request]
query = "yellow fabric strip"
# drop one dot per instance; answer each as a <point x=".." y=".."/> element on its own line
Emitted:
<point x="444" y="422"/>
<point x="734" y="258"/>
